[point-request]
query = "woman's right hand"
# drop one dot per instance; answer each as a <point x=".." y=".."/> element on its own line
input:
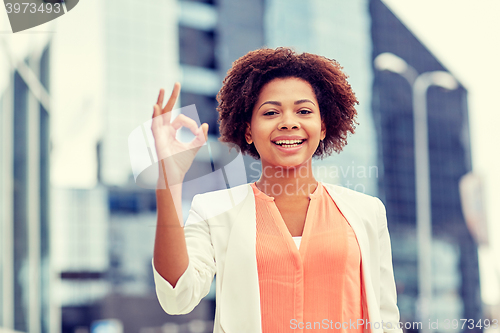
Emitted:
<point x="174" y="157"/>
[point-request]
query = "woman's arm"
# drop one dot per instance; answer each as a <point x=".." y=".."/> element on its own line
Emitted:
<point x="174" y="160"/>
<point x="195" y="281"/>
<point x="170" y="251"/>
<point x="175" y="278"/>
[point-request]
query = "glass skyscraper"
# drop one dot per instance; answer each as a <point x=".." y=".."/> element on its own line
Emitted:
<point x="24" y="192"/>
<point x="455" y="274"/>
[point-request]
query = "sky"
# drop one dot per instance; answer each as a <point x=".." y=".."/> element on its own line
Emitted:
<point x="464" y="36"/>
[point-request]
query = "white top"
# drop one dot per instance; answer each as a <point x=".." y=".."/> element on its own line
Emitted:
<point x="297" y="240"/>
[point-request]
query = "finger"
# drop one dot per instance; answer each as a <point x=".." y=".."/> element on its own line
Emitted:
<point x="173" y="98"/>
<point x="156" y="110"/>
<point x="182" y="120"/>
<point x="158" y="118"/>
<point x="205" y="131"/>
<point x="160" y="98"/>
<point x="201" y="136"/>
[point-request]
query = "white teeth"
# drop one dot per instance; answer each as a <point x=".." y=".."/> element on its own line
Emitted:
<point x="288" y="142"/>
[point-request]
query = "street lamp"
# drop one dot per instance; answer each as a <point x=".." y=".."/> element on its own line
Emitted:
<point x="420" y="84"/>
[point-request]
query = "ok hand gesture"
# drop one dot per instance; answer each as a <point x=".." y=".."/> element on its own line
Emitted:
<point x="174" y="157"/>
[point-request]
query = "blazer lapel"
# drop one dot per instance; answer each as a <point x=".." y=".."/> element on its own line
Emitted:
<point x="349" y="204"/>
<point x="240" y="299"/>
<point x="341" y="198"/>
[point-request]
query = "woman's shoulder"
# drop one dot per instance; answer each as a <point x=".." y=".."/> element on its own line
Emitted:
<point x="354" y="198"/>
<point x="221" y="201"/>
<point x="236" y="191"/>
<point x="347" y="192"/>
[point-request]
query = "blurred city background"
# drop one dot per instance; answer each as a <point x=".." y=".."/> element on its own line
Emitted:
<point x="76" y="232"/>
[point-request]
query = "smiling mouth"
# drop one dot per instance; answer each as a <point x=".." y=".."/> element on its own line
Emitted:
<point x="289" y="143"/>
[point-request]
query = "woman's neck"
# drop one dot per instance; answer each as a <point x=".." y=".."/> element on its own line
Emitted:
<point x="279" y="181"/>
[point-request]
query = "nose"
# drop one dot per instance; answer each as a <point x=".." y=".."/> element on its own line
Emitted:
<point x="288" y="122"/>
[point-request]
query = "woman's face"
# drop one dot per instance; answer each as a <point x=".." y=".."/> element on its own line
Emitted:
<point x="286" y="109"/>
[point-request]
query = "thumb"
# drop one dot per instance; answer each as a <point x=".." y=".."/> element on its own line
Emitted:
<point x="201" y="135"/>
<point x="205" y="130"/>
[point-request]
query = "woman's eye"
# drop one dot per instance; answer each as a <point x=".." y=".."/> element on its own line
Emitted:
<point x="269" y="113"/>
<point x="305" y="111"/>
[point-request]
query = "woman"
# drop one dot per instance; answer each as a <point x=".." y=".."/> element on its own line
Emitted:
<point x="292" y="254"/>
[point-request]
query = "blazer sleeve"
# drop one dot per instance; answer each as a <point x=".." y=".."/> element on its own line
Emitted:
<point x="195" y="282"/>
<point x="389" y="311"/>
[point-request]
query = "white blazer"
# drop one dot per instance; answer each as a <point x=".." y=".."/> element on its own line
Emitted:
<point x="221" y="233"/>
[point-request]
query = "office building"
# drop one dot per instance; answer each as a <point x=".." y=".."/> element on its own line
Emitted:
<point x="455" y="274"/>
<point x="24" y="189"/>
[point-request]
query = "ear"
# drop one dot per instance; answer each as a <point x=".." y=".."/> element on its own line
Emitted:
<point x="248" y="134"/>
<point x="323" y="130"/>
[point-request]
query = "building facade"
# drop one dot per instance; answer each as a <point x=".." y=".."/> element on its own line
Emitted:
<point x="455" y="271"/>
<point x="25" y="274"/>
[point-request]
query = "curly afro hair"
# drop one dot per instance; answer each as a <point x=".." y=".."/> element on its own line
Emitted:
<point x="244" y="81"/>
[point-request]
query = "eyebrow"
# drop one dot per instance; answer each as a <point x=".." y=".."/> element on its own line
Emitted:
<point x="300" y="101"/>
